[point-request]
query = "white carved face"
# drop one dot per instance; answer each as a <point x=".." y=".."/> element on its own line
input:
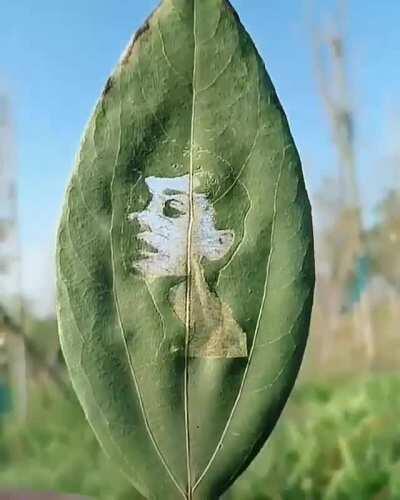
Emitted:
<point x="164" y="227"/>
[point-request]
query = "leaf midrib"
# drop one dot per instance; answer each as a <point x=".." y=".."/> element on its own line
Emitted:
<point x="264" y="298"/>
<point x="188" y="297"/>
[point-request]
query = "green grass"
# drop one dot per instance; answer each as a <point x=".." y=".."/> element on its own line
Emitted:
<point x="335" y="441"/>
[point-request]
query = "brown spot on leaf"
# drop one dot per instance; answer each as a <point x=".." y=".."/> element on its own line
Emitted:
<point x="108" y="86"/>
<point x="140" y="32"/>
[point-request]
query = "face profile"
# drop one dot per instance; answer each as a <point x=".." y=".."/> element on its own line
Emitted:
<point x="163" y="233"/>
<point x="164" y="226"/>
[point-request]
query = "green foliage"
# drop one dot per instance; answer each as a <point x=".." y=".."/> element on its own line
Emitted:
<point x="57" y="451"/>
<point x="335" y="442"/>
<point x="183" y="356"/>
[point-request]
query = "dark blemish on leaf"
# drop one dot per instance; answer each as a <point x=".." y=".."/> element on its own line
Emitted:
<point x="140" y="32"/>
<point x="108" y="87"/>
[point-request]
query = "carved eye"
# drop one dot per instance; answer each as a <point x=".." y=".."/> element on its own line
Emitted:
<point x="173" y="209"/>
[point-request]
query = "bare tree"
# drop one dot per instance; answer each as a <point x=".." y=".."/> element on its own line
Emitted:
<point x="10" y="268"/>
<point x="15" y="341"/>
<point x="331" y="64"/>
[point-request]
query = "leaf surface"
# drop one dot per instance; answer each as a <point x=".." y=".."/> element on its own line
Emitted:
<point x="185" y="256"/>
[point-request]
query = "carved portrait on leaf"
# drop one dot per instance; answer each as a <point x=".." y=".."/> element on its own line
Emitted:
<point x="163" y="233"/>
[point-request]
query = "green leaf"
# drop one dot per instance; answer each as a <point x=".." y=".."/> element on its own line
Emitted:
<point x="185" y="256"/>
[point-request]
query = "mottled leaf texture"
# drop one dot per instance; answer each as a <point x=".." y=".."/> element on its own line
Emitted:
<point x="185" y="256"/>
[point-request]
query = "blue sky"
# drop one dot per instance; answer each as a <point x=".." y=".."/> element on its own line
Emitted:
<point x="55" y="57"/>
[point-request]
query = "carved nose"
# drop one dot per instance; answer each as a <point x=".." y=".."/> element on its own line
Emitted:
<point x="143" y="226"/>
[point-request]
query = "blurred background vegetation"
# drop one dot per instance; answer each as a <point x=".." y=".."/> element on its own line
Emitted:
<point x="339" y="437"/>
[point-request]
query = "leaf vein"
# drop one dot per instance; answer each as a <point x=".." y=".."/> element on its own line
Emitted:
<point x="188" y="297"/>
<point x="266" y="285"/>
<point x="122" y="329"/>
